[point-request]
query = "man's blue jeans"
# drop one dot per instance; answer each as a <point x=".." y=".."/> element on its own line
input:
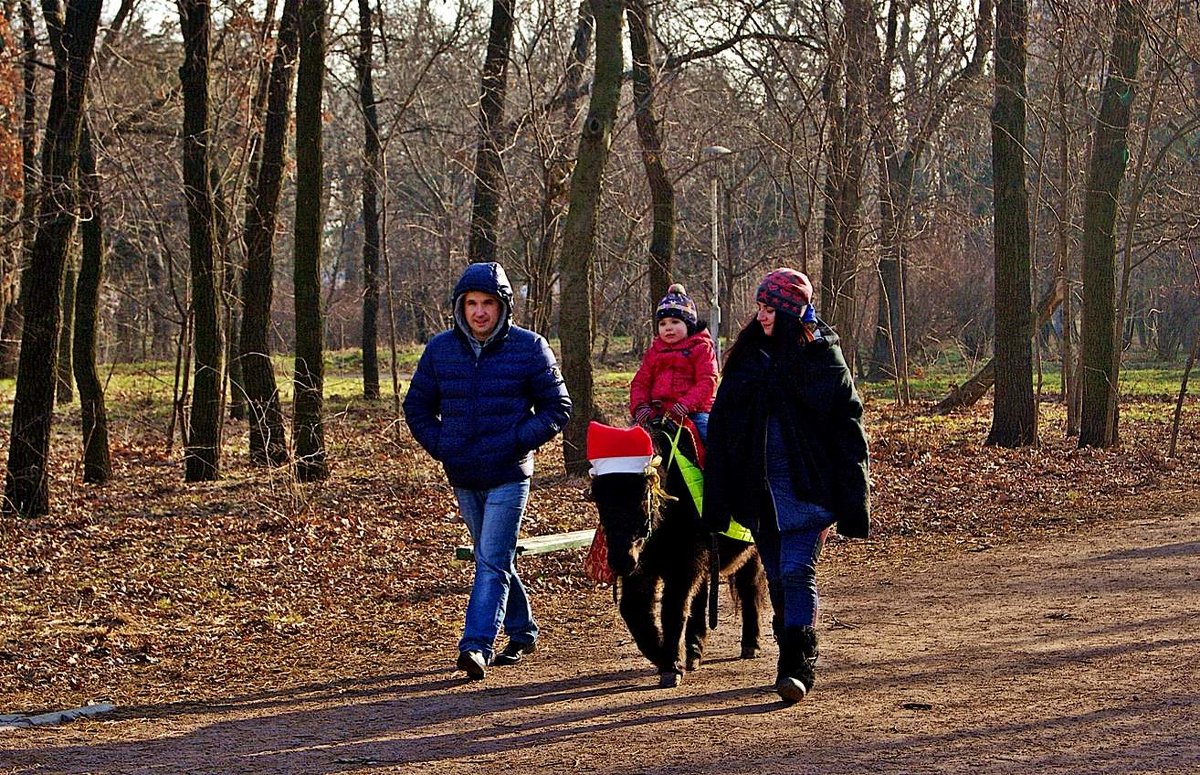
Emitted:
<point x="493" y="517"/>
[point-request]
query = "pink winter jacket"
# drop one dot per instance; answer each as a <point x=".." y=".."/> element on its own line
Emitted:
<point x="684" y="373"/>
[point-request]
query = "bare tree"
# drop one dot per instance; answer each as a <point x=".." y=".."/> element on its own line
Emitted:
<point x="485" y="213"/>
<point x="268" y="445"/>
<point x="541" y="269"/>
<point x="579" y="233"/>
<point x="898" y="160"/>
<point x="372" y="161"/>
<point x="1014" y="418"/>
<point x="10" y="296"/>
<point x="845" y="99"/>
<point x="26" y="487"/>
<point x="1110" y="154"/>
<point x="308" y="430"/>
<point x="202" y="457"/>
<point x="97" y="464"/>
<point x="662" y="193"/>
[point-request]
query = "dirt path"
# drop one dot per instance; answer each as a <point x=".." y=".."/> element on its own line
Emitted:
<point x="1068" y="654"/>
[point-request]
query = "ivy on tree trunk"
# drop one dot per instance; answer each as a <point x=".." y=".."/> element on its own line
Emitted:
<point x="1106" y="170"/>
<point x="578" y="250"/>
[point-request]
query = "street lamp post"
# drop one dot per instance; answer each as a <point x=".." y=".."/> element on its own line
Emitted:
<point x="715" y="153"/>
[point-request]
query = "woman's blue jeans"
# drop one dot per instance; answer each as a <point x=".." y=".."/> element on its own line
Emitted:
<point x="790" y="548"/>
<point x="498" y="597"/>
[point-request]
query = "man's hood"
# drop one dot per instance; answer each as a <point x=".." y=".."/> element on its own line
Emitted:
<point x="489" y="278"/>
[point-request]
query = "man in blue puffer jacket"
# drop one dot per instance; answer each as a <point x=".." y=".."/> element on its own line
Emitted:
<point x="486" y="394"/>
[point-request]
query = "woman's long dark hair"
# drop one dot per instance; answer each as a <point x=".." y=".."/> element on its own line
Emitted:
<point x="788" y="329"/>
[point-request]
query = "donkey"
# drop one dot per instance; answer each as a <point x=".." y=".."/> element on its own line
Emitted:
<point x="662" y="554"/>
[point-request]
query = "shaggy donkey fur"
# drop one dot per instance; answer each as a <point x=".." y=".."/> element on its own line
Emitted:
<point x="663" y="561"/>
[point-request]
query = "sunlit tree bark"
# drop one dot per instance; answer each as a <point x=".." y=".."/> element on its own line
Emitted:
<point x="268" y="445"/>
<point x="26" y="486"/>
<point x="97" y="463"/>
<point x="579" y="234"/>
<point x="308" y="430"/>
<point x="662" y="193"/>
<point x="1014" y="419"/>
<point x="489" y="170"/>
<point x="1110" y="155"/>
<point x="202" y="457"/>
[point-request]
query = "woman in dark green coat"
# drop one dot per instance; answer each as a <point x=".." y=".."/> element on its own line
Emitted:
<point x="787" y="458"/>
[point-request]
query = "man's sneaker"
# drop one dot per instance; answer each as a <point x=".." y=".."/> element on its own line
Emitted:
<point x="513" y="652"/>
<point x="473" y="664"/>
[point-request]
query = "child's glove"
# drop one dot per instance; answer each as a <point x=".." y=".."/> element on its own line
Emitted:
<point x="643" y="414"/>
<point x="677" y="413"/>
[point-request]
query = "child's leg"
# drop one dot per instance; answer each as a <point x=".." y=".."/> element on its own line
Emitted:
<point x="700" y="420"/>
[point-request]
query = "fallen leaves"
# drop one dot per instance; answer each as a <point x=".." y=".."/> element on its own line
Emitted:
<point x="150" y="589"/>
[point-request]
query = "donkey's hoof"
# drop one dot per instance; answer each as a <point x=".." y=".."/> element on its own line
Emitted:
<point x="693" y="661"/>
<point x="669" y="679"/>
<point x="751" y="652"/>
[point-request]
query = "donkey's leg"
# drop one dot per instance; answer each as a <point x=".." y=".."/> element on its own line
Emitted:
<point x="676" y="603"/>
<point x="637" y="609"/>
<point x="697" y="627"/>
<point x="750" y="581"/>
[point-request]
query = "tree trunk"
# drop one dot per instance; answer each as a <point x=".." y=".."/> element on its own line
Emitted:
<point x="370" y="206"/>
<point x="26" y="483"/>
<point x="662" y="194"/>
<point x="10" y="331"/>
<point x="1193" y="354"/>
<point x="539" y="305"/>
<point x="1063" y="273"/>
<point x="97" y="465"/>
<point x="1014" y="419"/>
<point x="268" y="445"/>
<point x="1110" y="154"/>
<point x="489" y="170"/>
<point x="65" y="392"/>
<point x="845" y="95"/>
<point x="235" y="280"/>
<point x="202" y="458"/>
<point x="577" y="264"/>
<point x="231" y="394"/>
<point x="237" y="390"/>
<point x="308" y="431"/>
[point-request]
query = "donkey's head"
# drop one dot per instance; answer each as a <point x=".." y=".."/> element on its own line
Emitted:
<point x="624" y="480"/>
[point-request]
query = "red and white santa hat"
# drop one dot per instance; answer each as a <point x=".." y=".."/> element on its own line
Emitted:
<point x="618" y="450"/>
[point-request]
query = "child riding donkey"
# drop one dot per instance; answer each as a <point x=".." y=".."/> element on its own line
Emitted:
<point x="678" y="376"/>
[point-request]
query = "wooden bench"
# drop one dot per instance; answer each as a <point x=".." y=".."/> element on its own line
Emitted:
<point x="538" y="544"/>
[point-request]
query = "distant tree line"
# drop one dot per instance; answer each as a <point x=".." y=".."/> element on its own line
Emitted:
<point x="250" y="180"/>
